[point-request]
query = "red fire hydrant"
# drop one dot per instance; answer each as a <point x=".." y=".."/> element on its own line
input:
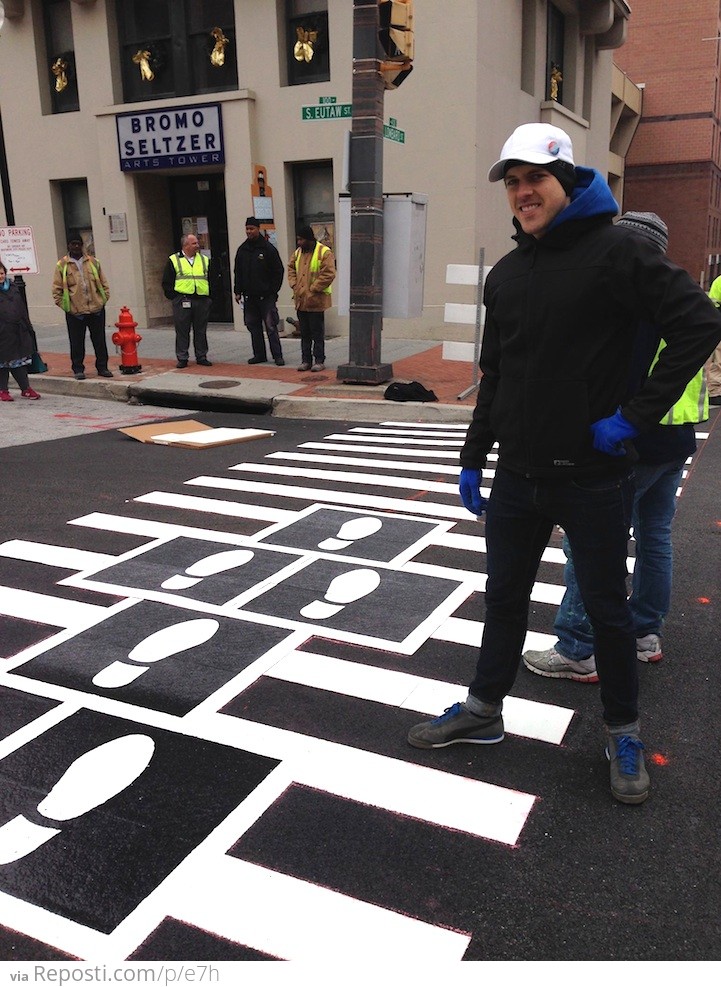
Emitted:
<point x="126" y="338"/>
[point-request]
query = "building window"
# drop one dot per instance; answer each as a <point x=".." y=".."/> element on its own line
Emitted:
<point x="60" y="52"/>
<point x="528" y="46"/>
<point x="308" y="53"/>
<point x="176" y="49"/>
<point x="554" y="54"/>
<point x="314" y="201"/>
<point x="76" y="212"/>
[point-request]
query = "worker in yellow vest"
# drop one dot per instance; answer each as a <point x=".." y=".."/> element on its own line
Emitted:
<point x="311" y="272"/>
<point x="713" y="367"/>
<point x="81" y="290"/>
<point x="186" y="284"/>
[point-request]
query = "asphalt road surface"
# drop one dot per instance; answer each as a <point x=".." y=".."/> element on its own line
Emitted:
<point x="211" y="659"/>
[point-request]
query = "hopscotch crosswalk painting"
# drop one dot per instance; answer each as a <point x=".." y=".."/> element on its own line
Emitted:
<point x="204" y="741"/>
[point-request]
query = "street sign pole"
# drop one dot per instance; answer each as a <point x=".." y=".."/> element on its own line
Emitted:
<point x="8" y="202"/>
<point x="366" y="205"/>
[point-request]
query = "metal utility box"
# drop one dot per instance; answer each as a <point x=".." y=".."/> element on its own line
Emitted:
<point x="404" y="254"/>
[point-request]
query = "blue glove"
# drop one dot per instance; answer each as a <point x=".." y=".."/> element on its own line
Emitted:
<point x="470" y="487"/>
<point x="610" y="433"/>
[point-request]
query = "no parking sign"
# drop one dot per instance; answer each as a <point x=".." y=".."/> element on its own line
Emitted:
<point x="17" y="250"/>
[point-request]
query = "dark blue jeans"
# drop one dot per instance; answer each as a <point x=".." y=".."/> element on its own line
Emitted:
<point x="595" y="513"/>
<point x="257" y="315"/>
<point x="654" y="506"/>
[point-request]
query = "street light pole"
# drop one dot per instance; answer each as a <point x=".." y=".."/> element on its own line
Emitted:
<point x="366" y="205"/>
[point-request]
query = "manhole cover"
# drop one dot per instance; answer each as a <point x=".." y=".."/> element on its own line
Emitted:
<point x="218" y="385"/>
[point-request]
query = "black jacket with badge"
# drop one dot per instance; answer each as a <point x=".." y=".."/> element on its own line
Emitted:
<point x="562" y="314"/>
<point x="258" y="269"/>
<point x="16" y="332"/>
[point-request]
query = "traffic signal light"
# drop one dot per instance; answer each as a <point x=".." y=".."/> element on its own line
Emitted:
<point x="395" y="33"/>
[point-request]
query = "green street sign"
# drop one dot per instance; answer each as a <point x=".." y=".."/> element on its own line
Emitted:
<point x="326" y="111"/>
<point x="394" y="134"/>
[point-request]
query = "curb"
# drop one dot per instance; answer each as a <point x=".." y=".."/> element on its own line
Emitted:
<point x="369" y="410"/>
<point x="281" y="406"/>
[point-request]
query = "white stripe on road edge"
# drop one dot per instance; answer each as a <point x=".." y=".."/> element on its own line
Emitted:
<point x="394" y="504"/>
<point x="357" y="479"/>
<point x="295" y="920"/>
<point x="42" y="609"/>
<point x="207" y="506"/>
<point x="382" y="451"/>
<point x="56" y="555"/>
<point x="457" y="630"/>
<point x="349" y="437"/>
<point x="455" y="426"/>
<point x="381" y="464"/>
<point x="161" y="529"/>
<point x="418" y="432"/>
<point x="534" y="720"/>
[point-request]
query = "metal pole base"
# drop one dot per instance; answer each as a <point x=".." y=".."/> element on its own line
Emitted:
<point x="468" y="390"/>
<point x="352" y="373"/>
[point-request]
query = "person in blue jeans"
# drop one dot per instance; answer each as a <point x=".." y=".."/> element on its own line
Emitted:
<point x="563" y="314"/>
<point x="662" y="453"/>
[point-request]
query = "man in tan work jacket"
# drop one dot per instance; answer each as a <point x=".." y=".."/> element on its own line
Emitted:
<point x="81" y="290"/>
<point x="311" y="271"/>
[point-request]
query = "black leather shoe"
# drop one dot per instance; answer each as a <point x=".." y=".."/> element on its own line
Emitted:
<point x="80" y="376"/>
<point x="105" y="373"/>
<point x="280" y="362"/>
<point x="204" y="362"/>
<point x="257" y="359"/>
<point x="181" y="364"/>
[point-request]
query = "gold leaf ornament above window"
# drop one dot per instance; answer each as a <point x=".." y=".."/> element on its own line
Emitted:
<point x="217" y="55"/>
<point x="59" y="69"/>
<point x="556" y="78"/>
<point x="303" y="50"/>
<point x="142" y="58"/>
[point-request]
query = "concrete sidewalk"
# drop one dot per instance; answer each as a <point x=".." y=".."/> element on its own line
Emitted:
<point x="263" y="388"/>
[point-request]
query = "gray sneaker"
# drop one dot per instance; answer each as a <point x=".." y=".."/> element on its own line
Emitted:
<point x="648" y="648"/>
<point x="553" y="665"/>
<point x="457" y="726"/>
<point x="629" y="779"/>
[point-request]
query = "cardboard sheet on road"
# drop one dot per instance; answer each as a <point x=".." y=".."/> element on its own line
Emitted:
<point x="193" y="435"/>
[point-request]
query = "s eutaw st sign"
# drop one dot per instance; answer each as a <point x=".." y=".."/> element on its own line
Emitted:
<point x="175" y="137"/>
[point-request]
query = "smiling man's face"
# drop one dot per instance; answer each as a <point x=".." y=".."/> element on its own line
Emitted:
<point x="535" y="197"/>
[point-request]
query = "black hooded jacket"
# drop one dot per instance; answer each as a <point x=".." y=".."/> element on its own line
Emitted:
<point x="258" y="269"/>
<point x="562" y="313"/>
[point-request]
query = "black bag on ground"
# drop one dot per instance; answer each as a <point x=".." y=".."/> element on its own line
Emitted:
<point x="38" y="365"/>
<point x="413" y="391"/>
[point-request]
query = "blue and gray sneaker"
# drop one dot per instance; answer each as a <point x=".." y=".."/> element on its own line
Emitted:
<point x="457" y="726"/>
<point x="629" y="779"/>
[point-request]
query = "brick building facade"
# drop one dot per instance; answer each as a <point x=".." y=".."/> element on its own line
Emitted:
<point x="673" y="51"/>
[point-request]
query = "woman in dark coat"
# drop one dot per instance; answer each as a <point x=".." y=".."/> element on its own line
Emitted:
<point x="17" y="341"/>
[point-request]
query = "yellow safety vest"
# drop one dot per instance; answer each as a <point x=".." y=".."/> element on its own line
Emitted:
<point x="186" y="281"/>
<point x="692" y="406"/>
<point x="318" y="253"/>
<point x="65" y="304"/>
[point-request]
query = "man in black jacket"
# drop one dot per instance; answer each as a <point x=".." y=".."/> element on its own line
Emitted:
<point x="562" y="313"/>
<point x="258" y="277"/>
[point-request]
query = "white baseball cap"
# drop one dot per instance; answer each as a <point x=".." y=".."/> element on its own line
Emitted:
<point x="533" y="143"/>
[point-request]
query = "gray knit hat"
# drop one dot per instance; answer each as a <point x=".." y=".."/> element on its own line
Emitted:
<point x="648" y="224"/>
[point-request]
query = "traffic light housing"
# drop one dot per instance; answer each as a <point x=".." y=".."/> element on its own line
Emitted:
<point x="395" y="34"/>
